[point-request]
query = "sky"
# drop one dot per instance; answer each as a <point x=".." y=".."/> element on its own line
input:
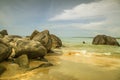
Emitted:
<point x="65" y="18"/>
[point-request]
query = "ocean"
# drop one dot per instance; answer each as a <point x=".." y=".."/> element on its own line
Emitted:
<point x="79" y="40"/>
<point x="76" y="43"/>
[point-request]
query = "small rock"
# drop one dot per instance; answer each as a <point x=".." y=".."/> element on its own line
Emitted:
<point x="23" y="61"/>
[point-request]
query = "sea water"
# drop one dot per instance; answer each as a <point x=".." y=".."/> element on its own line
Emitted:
<point x="79" y="40"/>
<point x="77" y="44"/>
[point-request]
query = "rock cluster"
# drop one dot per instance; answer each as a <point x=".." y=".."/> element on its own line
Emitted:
<point x="20" y="49"/>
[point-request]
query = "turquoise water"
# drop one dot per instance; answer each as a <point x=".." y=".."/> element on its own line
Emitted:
<point x="77" y="43"/>
<point x="79" y="40"/>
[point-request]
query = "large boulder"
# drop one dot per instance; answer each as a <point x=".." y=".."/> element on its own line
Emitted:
<point x="4" y="32"/>
<point x="33" y="49"/>
<point x="56" y="42"/>
<point x="5" y="51"/>
<point x="44" y="38"/>
<point x="105" y="40"/>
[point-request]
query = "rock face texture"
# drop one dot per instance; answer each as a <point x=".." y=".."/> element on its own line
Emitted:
<point x="33" y="49"/>
<point x="5" y="51"/>
<point x="56" y="42"/>
<point x="10" y="38"/>
<point x="35" y="32"/>
<point x="105" y="40"/>
<point x="43" y="37"/>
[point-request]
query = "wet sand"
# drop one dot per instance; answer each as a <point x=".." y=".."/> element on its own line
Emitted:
<point x="70" y="65"/>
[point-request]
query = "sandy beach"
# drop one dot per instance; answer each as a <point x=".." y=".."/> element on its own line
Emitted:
<point x="69" y="65"/>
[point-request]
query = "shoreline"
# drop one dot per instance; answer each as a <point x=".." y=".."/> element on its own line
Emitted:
<point x="64" y="58"/>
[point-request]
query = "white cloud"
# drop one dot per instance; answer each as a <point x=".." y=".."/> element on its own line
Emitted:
<point x="81" y="26"/>
<point x="109" y="9"/>
<point x="93" y="28"/>
<point x="90" y="26"/>
<point x="104" y="8"/>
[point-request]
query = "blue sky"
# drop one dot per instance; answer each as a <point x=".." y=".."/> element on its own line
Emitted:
<point x="65" y="18"/>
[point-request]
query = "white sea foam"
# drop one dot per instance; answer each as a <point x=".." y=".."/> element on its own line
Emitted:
<point x="108" y="53"/>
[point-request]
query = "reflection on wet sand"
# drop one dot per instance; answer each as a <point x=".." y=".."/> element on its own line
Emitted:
<point x="91" y="58"/>
<point x="71" y="65"/>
